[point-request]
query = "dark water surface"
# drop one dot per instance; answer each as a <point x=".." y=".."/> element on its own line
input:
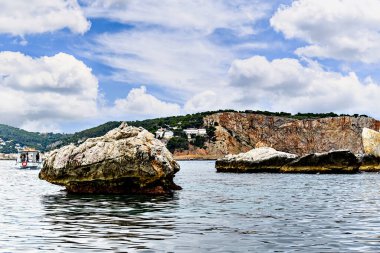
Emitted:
<point x="213" y="213"/>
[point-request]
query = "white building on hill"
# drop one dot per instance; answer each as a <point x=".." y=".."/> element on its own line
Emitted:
<point x="195" y="131"/>
<point x="163" y="133"/>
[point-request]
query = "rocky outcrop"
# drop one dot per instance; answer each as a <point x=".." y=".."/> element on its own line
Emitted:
<point x="338" y="162"/>
<point x="125" y="160"/>
<point x="271" y="160"/>
<point x="241" y="132"/>
<point x="371" y="142"/>
<point x="369" y="163"/>
<point x="256" y="160"/>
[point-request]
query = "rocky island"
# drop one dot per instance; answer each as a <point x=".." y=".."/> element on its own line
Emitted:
<point x="125" y="160"/>
<point x="267" y="159"/>
<point x="270" y="160"/>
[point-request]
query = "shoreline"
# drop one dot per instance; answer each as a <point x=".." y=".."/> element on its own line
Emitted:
<point x="196" y="157"/>
<point x="8" y="157"/>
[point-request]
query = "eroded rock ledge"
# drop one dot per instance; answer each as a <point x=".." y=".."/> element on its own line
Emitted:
<point x="270" y="160"/>
<point x="256" y="160"/>
<point x="125" y="160"/>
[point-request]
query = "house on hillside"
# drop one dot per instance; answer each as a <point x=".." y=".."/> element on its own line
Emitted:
<point x="163" y="133"/>
<point x="195" y="132"/>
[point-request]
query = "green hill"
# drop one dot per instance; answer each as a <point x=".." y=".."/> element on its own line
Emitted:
<point x="12" y="136"/>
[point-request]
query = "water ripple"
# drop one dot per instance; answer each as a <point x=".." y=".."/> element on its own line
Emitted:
<point x="214" y="212"/>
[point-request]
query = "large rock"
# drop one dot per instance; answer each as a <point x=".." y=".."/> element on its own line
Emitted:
<point x="257" y="160"/>
<point x="371" y="142"/>
<point x="271" y="160"/>
<point x="369" y="163"/>
<point x="125" y="160"/>
<point x="341" y="161"/>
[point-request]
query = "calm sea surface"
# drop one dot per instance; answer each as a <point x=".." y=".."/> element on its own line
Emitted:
<point x="213" y="213"/>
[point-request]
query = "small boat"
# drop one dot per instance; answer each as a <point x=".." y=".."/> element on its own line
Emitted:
<point x="29" y="158"/>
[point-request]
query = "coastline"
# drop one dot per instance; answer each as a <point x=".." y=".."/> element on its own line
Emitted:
<point x="7" y="157"/>
<point x="196" y="157"/>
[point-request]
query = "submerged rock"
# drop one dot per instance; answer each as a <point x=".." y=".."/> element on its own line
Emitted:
<point x="369" y="163"/>
<point x="341" y="161"/>
<point x="125" y="160"/>
<point x="371" y="142"/>
<point x="256" y="160"/>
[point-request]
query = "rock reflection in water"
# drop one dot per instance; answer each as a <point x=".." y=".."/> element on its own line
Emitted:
<point x="107" y="222"/>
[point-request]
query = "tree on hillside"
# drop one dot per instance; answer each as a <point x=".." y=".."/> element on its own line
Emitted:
<point x="178" y="143"/>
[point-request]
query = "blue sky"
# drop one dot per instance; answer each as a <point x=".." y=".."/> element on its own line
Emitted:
<point x="67" y="65"/>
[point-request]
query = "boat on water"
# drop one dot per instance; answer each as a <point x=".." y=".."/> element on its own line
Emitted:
<point x="29" y="158"/>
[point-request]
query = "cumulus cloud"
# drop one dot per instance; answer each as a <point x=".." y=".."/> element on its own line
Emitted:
<point x="139" y="103"/>
<point x="204" y="101"/>
<point x="19" y="17"/>
<point x="41" y="94"/>
<point x="339" y="29"/>
<point x="288" y="85"/>
<point x="38" y="93"/>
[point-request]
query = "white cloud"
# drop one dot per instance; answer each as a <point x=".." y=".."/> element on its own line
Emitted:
<point x="204" y="101"/>
<point x="42" y="92"/>
<point x="45" y="126"/>
<point x="199" y="15"/>
<point x="182" y="61"/>
<point x="340" y="29"/>
<point x="139" y="103"/>
<point x="171" y="43"/>
<point x="287" y="85"/>
<point x="19" y="17"/>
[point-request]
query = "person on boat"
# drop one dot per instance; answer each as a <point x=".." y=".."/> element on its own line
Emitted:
<point x="22" y="157"/>
<point x="38" y="157"/>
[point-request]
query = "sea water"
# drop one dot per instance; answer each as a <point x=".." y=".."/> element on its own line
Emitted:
<point x="215" y="212"/>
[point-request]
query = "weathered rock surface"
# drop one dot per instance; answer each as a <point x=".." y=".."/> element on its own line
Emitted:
<point x="271" y="160"/>
<point x="125" y="160"/>
<point x="371" y="142"/>
<point x="257" y="160"/>
<point x="241" y="132"/>
<point x="339" y="162"/>
<point x="369" y="163"/>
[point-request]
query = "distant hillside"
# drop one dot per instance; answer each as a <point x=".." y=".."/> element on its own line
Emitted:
<point x="178" y="123"/>
<point x="12" y="136"/>
<point x="44" y="142"/>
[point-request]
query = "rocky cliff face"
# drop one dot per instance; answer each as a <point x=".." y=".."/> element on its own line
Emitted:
<point x="240" y="132"/>
<point x="371" y="142"/>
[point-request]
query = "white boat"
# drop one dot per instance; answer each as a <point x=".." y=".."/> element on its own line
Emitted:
<point x="29" y="158"/>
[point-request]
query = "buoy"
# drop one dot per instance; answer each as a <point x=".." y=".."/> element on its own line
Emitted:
<point x="24" y="164"/>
